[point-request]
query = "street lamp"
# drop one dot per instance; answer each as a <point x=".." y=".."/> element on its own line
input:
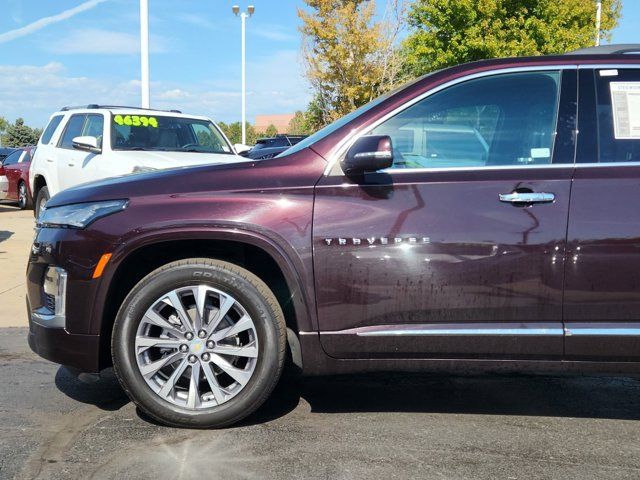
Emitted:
<point x="243" y="17"/>
<point x="144" y="53"/>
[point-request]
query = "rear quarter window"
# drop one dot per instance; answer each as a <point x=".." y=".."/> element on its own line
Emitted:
<point x="51" y="128"/>
<point x="618" y="125"/>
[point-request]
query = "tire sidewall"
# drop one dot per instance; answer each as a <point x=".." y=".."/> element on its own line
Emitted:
<point x="43" y="194"/>
<point x="268" y="365"/>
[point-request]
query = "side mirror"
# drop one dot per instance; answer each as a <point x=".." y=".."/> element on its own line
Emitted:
<point x="369" y="154"/>
<point x="241" y="148"/>
<point x="87" y="144"/>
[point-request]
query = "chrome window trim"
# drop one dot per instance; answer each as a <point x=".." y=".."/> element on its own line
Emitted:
<point x="607" y="164"/>
<point x="608" y="66"/>
<point x="586" y="330"/>
<point x="346" y="143"/>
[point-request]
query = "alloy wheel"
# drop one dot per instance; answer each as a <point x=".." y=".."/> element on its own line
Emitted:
<point x="196" y="347"/>
<point x="22" y="196"/>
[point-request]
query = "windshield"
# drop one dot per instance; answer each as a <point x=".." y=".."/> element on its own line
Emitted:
<point x="341" y="122"/>
<point x="332" y="127"/>
<point x="164" y="133"/>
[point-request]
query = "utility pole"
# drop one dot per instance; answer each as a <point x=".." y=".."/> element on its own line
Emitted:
<point x="144" y="52"/>
<point x="243" y="17"/>
<point x="598" y="19"/>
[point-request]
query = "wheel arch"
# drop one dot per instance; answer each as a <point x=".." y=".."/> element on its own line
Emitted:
<point x="39" y="181"/>
<point x="255" y="253"/>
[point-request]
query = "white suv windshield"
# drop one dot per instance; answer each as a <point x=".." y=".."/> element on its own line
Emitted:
<point x="165" y="133"/>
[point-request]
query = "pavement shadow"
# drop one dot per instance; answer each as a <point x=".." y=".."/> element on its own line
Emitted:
<point x="613" y="398"/>
<point x="5" y="235"/>
<point x="105" y="393"/>
<point x="529" y="395"/>
<point x="8" y="208"/>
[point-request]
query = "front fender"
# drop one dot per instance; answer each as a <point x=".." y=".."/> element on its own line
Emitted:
<point x="294" y="266"/>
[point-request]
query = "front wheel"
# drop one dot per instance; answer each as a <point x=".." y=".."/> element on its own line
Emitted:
<point x="199" y="343"/>
<point x="41" y="201"/>
<point x="24" y="200"/>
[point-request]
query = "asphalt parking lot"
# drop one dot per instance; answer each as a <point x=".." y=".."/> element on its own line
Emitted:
<point x="53" y="426"/>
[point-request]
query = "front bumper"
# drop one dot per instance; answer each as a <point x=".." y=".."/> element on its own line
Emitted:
<point x="60" y="346"/>
<point x="67" y="330"/>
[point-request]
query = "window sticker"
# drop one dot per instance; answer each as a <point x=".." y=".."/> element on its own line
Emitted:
<point x="540" y="152"/>
<point x="625" y="101"/>
<point x="136" y="121"/>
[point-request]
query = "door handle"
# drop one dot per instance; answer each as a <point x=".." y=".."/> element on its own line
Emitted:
<point x="518" y="198"/>
<point x="50" y="160"/>
<point x="71" y="164"/>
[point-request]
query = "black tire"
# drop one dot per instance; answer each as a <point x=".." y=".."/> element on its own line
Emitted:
<point x="259" y="302"/>
<point x="41" y="200"/>
<point x="24" y="199"/>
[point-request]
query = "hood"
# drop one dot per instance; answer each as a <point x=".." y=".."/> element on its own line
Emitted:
<point x="200" y="181"/>
<point x="158" y="159"/>
<point x="164" y="181"/>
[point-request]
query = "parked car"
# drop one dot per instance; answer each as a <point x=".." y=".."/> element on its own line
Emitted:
<point x="266" y="148"/>
<point x="83" y="144"/>
<point x="357" y="249"/>
<point x="14" y="177"/>
<point x="5" y="152"/>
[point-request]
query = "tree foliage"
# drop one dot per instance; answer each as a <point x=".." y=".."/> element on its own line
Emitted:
<point x="4" y="123"/>
<point x="20" y="135"/>
<point x="449" y="32"/>
<point x="271" y="131"/>
<point x="350" y="58"/>
<point x="233" y="131"/>
<point x="301" y="123"/>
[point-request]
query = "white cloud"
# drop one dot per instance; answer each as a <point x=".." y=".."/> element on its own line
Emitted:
<point x="94" y="41"/>
<point x="273" y="32"/>
<point x="274" y="85"/>
<point x="35" y="92"/>
<point x="46" y="21"/>
<point x="196" y="20"/>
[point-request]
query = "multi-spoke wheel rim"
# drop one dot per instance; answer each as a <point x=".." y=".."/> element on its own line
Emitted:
<point x="22" y="195"/>
<point x="196" y="347"/>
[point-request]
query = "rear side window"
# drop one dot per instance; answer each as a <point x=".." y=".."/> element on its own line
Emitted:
<point x="13" y="158"/>
<point x="504" y="119"/>
<point x="51" y="128"/>
<point x="73" y="130"/>
<point x="618" y="115"/>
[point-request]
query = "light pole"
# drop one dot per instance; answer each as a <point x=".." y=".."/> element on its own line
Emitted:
<point x="243" y="18"/>
<point x="598" y="18"/>
<point x="144" y="52"/>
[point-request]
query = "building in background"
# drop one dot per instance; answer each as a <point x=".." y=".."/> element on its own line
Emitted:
<point x="280" y="121"/>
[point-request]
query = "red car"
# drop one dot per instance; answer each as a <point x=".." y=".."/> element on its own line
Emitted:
<point x="14" y="177"/>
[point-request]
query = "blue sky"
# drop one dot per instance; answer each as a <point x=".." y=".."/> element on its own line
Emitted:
<point x="86" y="51"/>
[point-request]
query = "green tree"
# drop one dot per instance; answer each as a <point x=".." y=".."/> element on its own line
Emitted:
<point x="233" y="131"/>
<point x="298" y="124"/>
<point x="448" y="32"/>
<point x="20" y="135"/>
<point x="271" y="131"/>
<point x="349" y="56"/>
<point x="4" y="123"/>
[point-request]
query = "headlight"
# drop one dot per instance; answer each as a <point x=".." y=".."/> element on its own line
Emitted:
<point x="79" y="215"/>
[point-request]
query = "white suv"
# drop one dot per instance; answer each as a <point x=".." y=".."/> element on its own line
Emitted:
<point x="83" y="144"/>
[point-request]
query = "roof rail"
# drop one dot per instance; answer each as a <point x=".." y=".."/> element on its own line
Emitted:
<point x="621" y="48"/>
<point x="93" y="106"/>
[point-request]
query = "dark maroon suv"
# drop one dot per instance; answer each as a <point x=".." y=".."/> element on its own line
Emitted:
<point x="485" y="217"/>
